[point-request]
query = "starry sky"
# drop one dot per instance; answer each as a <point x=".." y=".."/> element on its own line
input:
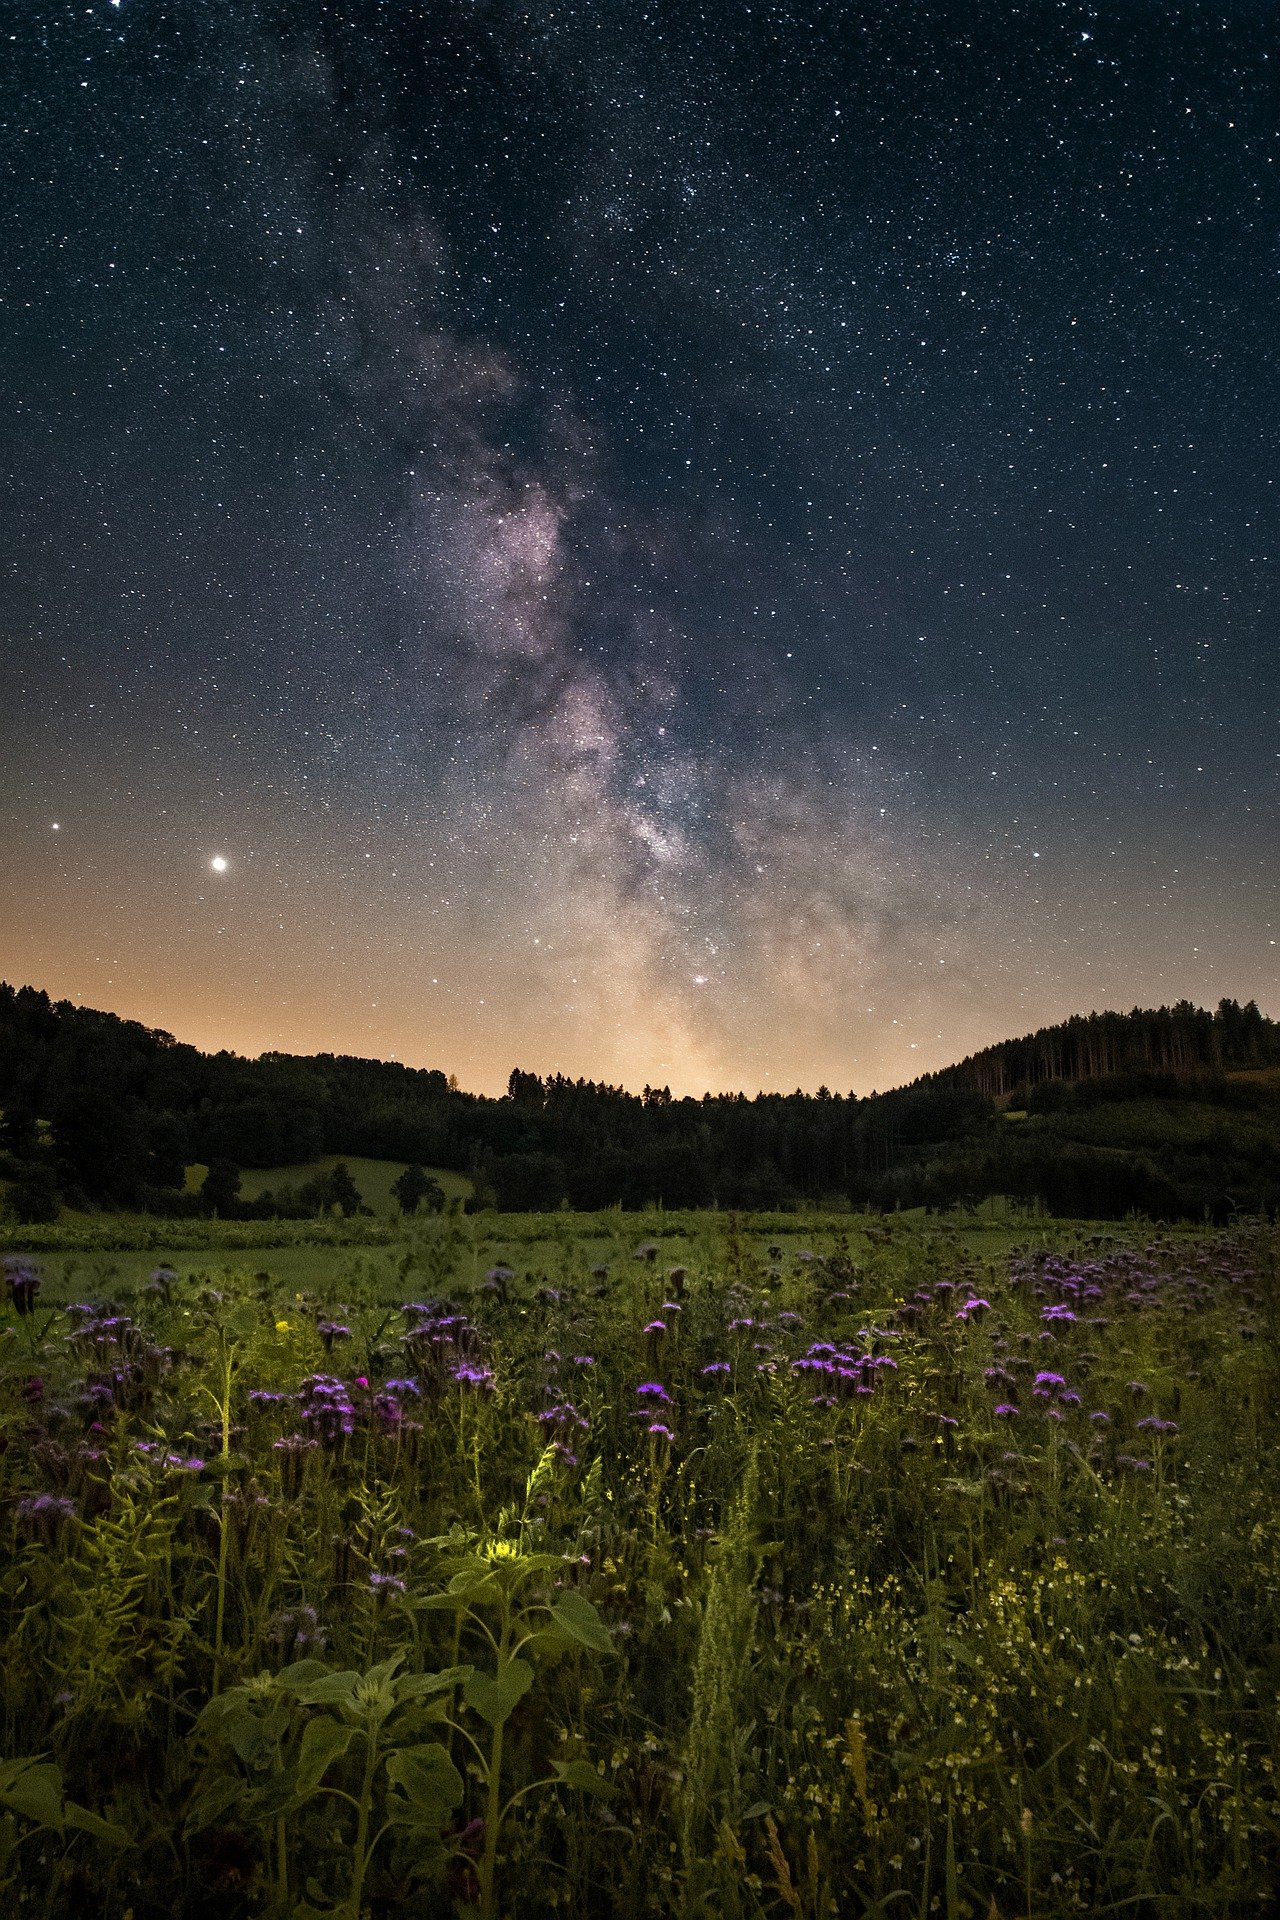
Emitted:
<point x="723" y="545"/>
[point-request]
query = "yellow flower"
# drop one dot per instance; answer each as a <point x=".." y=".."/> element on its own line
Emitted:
<point x="282" y="1326"/>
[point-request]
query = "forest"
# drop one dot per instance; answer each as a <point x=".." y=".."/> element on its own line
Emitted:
<point x="1173" y="1113"/>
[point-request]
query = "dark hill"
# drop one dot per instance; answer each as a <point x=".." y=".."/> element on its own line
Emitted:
<point x="1169" y="1112"/>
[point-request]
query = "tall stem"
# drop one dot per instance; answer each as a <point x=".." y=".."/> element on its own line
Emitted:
<point x="492" y="1820"/>
<point x="224" y="1409"/>
<point x="359" y="1860"/>
<point x="282" y="1864"/>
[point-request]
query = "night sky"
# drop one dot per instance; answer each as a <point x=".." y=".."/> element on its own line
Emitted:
<point x="728" y="545"/>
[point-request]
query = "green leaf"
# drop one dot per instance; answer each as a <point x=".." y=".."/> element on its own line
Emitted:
<point x="576" y="1615"/>
<point x="431" y="1785"/>
<point x="212" y="1804"/>
<point x="82" y="1821"/>
<point x="333" y="1690"/>
<point x="33" y="1788"/>
<point x="300" y="1674"/>
<point x="540" y="1562"/>
<point x="471" y="1583"/>
<point x="548" y="1642"/>
<point x="248" y="1735"/>
<point x="420" y="1686"/>
<point x="322" y="1741"/>
<point x="495" y="1696"/>
<point x="582" y="1775"/>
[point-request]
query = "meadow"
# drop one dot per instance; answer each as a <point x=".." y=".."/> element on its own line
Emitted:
<point x="679" y="1564"/>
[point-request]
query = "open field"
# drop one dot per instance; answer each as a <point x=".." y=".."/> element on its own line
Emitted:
<point x="375" y="1179"/>
<point x="698" y="1564"/>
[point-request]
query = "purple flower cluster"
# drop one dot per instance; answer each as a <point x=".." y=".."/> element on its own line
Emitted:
<point x="840" y="1373"/>
<point x="162" y="1456"/>
<point x="438" y="1344"/>
<point x="327" y="1411"/>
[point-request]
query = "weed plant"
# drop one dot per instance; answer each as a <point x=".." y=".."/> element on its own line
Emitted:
<point x="870" y="1576"/>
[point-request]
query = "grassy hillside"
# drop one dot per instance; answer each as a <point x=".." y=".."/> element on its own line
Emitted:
<point x="374" y="1178"/>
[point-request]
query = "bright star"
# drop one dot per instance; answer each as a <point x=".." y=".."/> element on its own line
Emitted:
<point x="218" y="863"/>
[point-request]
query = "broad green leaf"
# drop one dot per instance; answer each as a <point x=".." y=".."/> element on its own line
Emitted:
<point x="82" y="1821"/>
<point x="333" y="1690"/>
<point x="300" y="1674"/>
<point x="383" y="1670"/>
<point x="322" y="1741"/>
<point x="582" y="1775"/>
<point x="576" y="1615"/>
<point x="420" y="1686"/>
<point x="431" y="1785"/>
<point x="548" y="1641"/>
<point x="495" y="1696"/>
<point x="212" y="1804"/>
<point x="33" y="1788"/>
<point x="439" y="1603"/>
<point x="249" y="1737"/>
<point x="471" y="1583"/>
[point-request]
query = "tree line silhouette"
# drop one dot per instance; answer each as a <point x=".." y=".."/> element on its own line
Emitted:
<point x="1160" y="1111"/>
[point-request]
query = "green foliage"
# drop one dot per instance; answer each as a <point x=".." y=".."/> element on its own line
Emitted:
<point x="276" y="1745"/>
<point x="338" y="1605"/>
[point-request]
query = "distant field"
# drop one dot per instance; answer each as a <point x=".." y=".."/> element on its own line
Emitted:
<point x="374" y="1178"/>
<point x="110" y="1254"/>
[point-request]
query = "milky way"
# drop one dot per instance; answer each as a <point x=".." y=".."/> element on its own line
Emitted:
<point x="712" y="545"/>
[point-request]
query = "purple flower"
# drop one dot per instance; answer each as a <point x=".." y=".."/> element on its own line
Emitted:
<point x="1157" y="1425"/>
<point x="42" y="1516"/>
<point x="386" y="1586"/>
<point x="717" y="1366"/>
<point x="654" y="1390"/>
<point x="34" y="1506"/>
<point x="584" y="1360"/>
<point x="469" y="1375"/>
<point x="564" y="1417"/>
<point x="659" y="1432"/>
<point x="1006" y="1411"/>
<point x="297" y="1633"/>
<point x="656" y="1327"/>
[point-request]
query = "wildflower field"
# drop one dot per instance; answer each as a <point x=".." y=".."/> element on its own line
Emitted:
<point x="693" y="1565"/>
